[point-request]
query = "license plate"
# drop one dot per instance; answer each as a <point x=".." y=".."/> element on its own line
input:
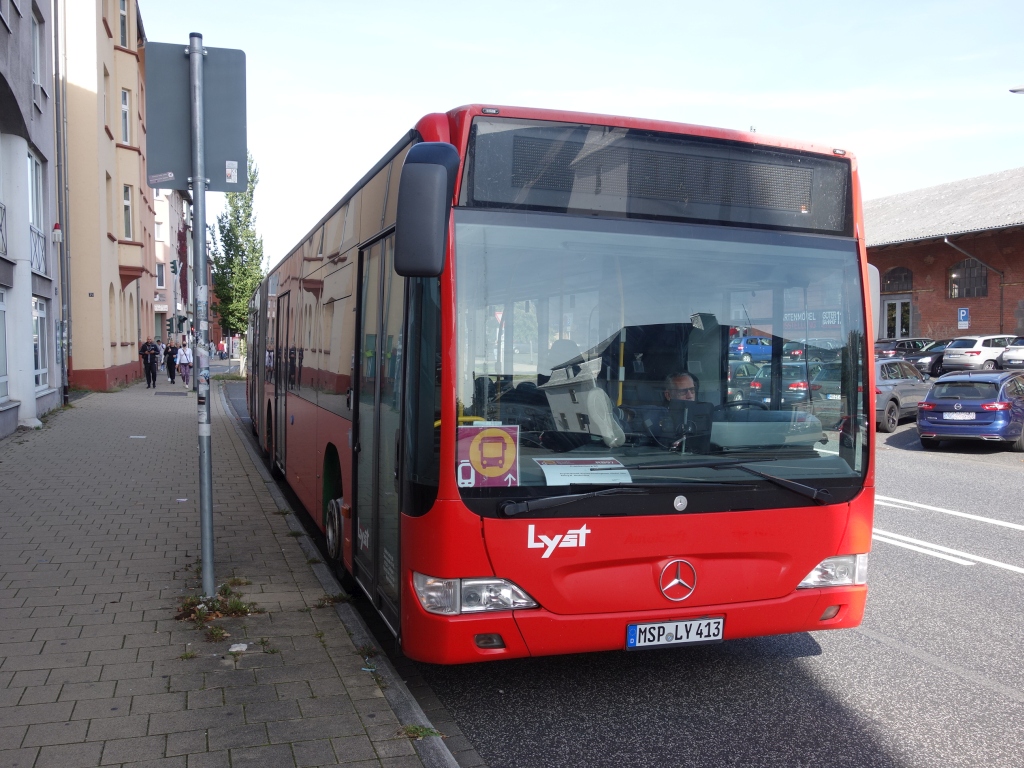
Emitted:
<point x="958" y="416"/>
<point x="661" y="634"/>
<point x="834" y="397"/>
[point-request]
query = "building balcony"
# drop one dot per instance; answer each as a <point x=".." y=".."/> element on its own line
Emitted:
<point x="130" y="254"/>
<point x="37" y="247"/>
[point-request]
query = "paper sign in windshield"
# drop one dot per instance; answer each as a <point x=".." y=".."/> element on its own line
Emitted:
<point x="568" y="471"/>
<point x="488" y="457"/>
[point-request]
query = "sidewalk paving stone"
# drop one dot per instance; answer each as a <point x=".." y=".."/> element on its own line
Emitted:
<point x="99" y="541"/>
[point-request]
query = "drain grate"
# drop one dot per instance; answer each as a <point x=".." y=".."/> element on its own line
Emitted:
<point x="172" y="394"/>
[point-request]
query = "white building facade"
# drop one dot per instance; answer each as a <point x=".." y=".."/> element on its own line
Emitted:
<point x="30" y="379"/>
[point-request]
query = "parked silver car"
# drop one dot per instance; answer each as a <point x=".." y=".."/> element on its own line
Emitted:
<point x="1013" y="356"/>
<point x="975" y="353"/>
<point x="899" y="386"/>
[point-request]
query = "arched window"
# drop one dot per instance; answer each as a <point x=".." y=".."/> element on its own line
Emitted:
<point x="968" y="279"/>
<point x="898" y="280"/>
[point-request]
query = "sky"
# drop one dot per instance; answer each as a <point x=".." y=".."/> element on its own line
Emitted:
<point x="917" y="91"/>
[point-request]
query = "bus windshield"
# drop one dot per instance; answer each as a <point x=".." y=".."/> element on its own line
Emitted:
<point x="594" y="352"/>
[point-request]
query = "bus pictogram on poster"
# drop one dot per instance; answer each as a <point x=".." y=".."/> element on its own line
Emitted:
<point x="488" y="456"/>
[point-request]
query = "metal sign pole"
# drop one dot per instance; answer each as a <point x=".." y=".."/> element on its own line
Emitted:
<point x="202" y="358"/>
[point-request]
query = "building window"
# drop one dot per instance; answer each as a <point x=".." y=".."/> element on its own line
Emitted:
<point x="160" y="275"/>
<point x="898" y="280"/>
<point x="37" y="238"/>
<point x="3" y="348"/>
<point x="159" y="231"/>
<point x="124" y="23"/>
<point x="126" y="116"/>
<point x="968" y="280"/>
<point x="127" y="212"/>
<point x="107" y="97"/>
<point x="39" y="342"/>
<point x="37" y="51"/>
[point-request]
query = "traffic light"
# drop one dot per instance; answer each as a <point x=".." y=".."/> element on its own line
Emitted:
<point x="174" y="266"/>
<point x="170" y="326"/>
<point x="181" y="323"/>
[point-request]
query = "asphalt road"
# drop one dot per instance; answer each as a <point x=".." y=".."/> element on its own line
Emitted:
<point x="933" y="677"/>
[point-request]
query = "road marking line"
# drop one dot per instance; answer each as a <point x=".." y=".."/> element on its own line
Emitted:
<point x="996" y="563"/>
<point x="922" y="550"/>
<point x="992" y="521"/>
<point x="896" y="506"/>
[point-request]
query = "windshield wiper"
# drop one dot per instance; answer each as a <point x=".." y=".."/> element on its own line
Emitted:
<point x="512" y="508"/>
<point x="819" y="495"/>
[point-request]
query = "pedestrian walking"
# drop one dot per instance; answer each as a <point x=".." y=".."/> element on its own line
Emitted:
<point x="170" y="359"/>
<point x="185" y="363"/>
<point x="160" y="354"/>
<point x="148" y="352"/>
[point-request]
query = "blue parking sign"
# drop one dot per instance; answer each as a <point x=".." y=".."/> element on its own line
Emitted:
<point x="963" y="318"/>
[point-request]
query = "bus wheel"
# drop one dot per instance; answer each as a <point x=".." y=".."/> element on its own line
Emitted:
<point x="271" y="451"/>
<point x="332" y="531"/>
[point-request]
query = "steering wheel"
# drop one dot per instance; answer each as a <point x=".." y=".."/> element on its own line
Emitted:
<point x="742" y="404"/>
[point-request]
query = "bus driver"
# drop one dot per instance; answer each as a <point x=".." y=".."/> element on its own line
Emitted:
<point x="690" y="419"/>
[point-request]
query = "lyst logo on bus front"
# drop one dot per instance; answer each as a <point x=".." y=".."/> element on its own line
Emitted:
<point x="575" y="537"/>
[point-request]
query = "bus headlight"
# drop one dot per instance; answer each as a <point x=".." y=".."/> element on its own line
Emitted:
<point x="493" y="595"/>
<point x="842" y="571"/>
<point x="454" y="596"/>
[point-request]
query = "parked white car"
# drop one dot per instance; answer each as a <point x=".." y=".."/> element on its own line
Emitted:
<point x="975" y="353"/>
<point x="1013" y="356"/>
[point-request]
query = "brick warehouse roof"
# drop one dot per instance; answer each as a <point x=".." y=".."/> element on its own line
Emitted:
<point x="983" y="203"/>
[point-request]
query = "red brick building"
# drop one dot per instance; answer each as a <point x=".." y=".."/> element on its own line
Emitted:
<point x="947" y="248"/>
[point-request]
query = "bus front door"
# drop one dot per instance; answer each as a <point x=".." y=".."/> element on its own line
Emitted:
<point x="378" y="425"/>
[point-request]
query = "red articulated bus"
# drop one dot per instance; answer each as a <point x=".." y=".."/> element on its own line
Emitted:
<point x="496" y="374"/>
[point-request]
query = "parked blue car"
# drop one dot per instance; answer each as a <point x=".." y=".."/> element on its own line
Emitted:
<point x="750" y="349"/>
<point x="973" y="406"/>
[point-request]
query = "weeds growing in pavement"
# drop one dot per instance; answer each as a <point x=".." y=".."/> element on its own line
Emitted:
<point x="367" y="651"/>
<point x="238" y="581"/>
<point x="215" y="634"/>
<point x="380" y="681"/>
<point x="296" y="534"/>
<point x="326" y="600"/>
<point x="314" y="561"/>
<point x="225" y="591"/>
<point x="188" y="655"/>
<point x="418" y="731"/>
<point x="199" y="610"/>
<point x="307" y="609"/>
<point x="235" y="654"/>
<point x="265" y="643"/>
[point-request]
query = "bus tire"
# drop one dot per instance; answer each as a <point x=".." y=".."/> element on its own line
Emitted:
<point x="333" y="532"/>
<point x="271" y="452"/>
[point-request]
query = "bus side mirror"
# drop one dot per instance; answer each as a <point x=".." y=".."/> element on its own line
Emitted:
<point x="424" y="204"/>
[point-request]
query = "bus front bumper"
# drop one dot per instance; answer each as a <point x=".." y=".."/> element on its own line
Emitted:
<point x="454" y="639"/>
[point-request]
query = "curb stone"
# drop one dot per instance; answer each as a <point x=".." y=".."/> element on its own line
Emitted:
<point x="431" y="749"/>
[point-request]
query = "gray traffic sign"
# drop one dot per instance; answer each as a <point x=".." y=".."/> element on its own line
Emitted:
<point x="168" y="118"/>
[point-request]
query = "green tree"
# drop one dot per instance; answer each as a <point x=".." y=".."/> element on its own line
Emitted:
<point x="237" y="255"/>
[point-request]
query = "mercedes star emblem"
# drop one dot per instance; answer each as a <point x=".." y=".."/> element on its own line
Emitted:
<point x="678" y="580"/>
